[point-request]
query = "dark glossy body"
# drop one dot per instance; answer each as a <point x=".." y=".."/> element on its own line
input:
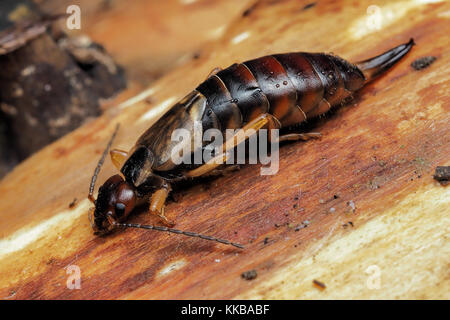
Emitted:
<point x="292" y="87"/>
<point x="287" y="88"/>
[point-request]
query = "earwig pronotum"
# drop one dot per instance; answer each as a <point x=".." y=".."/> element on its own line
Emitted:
<point x="272" y="92"/>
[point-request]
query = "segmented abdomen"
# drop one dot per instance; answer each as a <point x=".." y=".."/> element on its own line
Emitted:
<point x="292" y="87"/>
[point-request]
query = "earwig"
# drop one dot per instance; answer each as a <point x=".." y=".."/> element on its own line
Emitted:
<point x="271" y="92"/>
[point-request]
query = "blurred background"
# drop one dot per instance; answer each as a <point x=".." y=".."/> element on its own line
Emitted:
<point x="364" y="195"/>
<point x="55" y="78"/>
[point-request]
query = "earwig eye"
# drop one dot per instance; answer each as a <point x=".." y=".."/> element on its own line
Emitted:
<point x="120" y="209"/>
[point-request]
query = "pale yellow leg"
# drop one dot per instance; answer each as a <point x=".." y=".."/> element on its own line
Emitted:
<point x="157" y="205"/>
<point x="118" y="157"/>
<point x="240" y="136"/>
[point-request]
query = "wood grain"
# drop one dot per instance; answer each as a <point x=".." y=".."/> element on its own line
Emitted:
<point x="373" y="167"/>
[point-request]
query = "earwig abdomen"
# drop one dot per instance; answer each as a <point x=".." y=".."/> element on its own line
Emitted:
<point x="292" y="87"/>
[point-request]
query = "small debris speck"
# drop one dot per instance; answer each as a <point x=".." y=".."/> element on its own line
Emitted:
<point x="318" y="284"/>
<point x="423" y="62"/>
<point x="345" y="225"/>
<point x="266" y="240"/>
<point x="332" y="210"/>
<point x="303" y="225"/>
<point x="351" y="204"/>
<point x="73" y="203"/>
<point x="309" y="6"/>
<point x="442" y="174"/>
<point x="217" y="260"/>
<point x="249" y="275"/>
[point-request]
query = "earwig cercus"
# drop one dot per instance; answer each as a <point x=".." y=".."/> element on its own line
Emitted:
<point x="272" y="92"/>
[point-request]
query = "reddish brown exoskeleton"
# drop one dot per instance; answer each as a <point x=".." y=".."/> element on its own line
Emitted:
<point x="273" y="92"/>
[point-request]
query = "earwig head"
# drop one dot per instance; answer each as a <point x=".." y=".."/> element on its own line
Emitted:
<point x="116" y="199"/>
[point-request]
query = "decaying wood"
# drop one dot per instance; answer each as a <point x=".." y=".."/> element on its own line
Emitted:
<point x="358" y="206"/>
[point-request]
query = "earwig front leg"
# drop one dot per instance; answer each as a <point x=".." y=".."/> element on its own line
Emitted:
<point x="157" y="204"/>
<point x="261" y="121"/>
<point x="118" y="157"/>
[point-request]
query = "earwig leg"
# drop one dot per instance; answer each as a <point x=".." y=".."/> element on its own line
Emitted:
<point x="240" y="136"/>
<point x="157" y="203"/>
<point x="213" y="72"/>
<point x="300" y="136"/>
<point x="118" y="157"/>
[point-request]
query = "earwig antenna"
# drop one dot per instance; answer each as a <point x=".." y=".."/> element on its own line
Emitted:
<point x="185" y="233"/>
<point x="99" y="165"/>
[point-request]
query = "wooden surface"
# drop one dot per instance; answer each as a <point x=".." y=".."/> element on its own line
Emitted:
<point x="373" y="167"/>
